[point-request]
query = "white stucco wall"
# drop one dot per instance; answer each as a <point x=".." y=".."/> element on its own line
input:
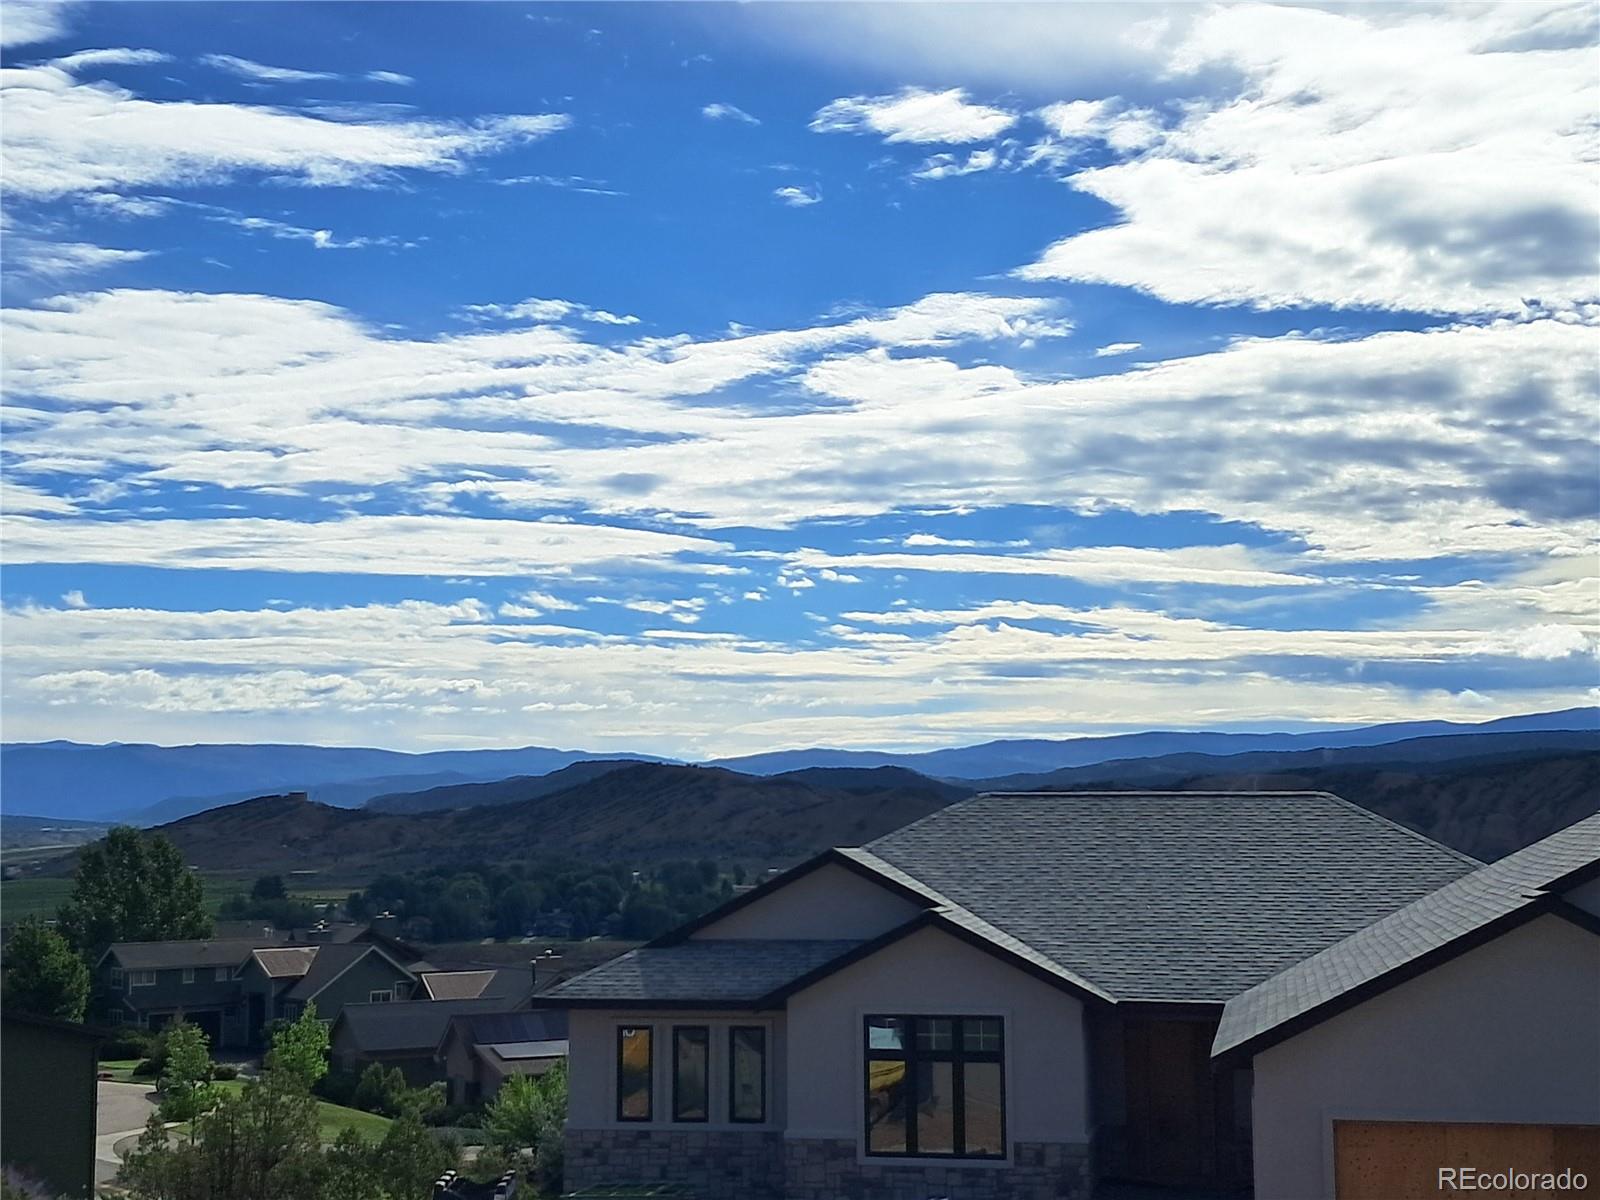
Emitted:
<point x="932" y="973"/>
<point x="1508" y="1032"/>
<point x="592" y="1067"/>
<point x="830" y="902"/>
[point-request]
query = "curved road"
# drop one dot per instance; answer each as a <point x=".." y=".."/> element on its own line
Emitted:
<point x="123" y="1108"/>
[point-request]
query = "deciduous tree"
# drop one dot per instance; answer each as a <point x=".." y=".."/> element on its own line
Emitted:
<point x="43" y="975"/>
<point x="132" y="887"/>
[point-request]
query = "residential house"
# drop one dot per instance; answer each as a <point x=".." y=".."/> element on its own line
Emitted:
<point x="233" y="987"/>
<point x="404" y="1035"/>
<point x="47" y="1124"/>
<point x="1462" y="1029"/>
<point x="1016" y="996"/>
<point x="480" y="1051"/>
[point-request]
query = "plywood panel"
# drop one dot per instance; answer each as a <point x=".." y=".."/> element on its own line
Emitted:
<point x="1400" y="1160"/>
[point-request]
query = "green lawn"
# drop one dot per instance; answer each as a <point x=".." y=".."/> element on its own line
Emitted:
<point x="121" y="1069"/>
<point x="332" y="1119"/>
<point x="40" y="897"/>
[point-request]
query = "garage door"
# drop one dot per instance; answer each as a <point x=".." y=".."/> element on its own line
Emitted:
<point x="1399" y="1160"/>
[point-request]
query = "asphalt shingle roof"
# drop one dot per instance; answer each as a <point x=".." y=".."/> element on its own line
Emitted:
<point x="290" y="962"/>
<point x="1169" y="896"/>
<point x="718" y="971"/>
<point x="166" y="956"/>
<point x="330" y="961"/>
<point x="415" y="1025"/>
<point x="469" y="985"/>
<point x="1460" y="908"/>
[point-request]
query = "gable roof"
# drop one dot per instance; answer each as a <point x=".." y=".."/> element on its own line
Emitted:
<point x="407" y="1026"/>
<point x="700" y="973"/>
<point x="502" y="1029"/>
<point x="167" y="956"/>
<point x="1177" y="897"/>
<point x="333" y="960"/>
<point x="1457" y="917"/>
<point x="288" y="962"/>
<point x="470" y="984"/>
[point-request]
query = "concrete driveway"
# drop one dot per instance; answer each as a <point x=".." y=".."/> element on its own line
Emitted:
<point x="122" y="1108"/>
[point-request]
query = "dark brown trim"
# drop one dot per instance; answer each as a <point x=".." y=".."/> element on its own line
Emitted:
<point x="1173" y="1010"/>
<point x="828" y="857"/>
<point x="1581" y="917"/>
<point x="704" y="1032"/>
<point x="733" y="1117"/>
<point x="958" y="1056"/>
<point x="1574" y="878"/>
<point x="1367" y="989"/>
<point x="625" y="1004"/>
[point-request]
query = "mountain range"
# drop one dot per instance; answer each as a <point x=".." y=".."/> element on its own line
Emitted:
<point x="151" y="785"/>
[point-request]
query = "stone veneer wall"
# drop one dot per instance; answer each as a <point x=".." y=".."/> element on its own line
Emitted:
<point x="826" y="1169"/>
<point x="724" y="1165"/>
<point x="714" y="1164"/>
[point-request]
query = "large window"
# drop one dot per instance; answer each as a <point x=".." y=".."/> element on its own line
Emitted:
<point x="935" y="1087"/>
<point x="747" y="1073"/>
<point x="691" y="1087"/>
<point x="141" y="979"/>
<point x="635" y="1065"/>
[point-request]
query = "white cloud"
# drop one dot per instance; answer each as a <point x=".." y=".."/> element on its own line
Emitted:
<point x="74" y="599"/>
<point x="363" y="545"/>
<point x="798" y="197"/>
<point x="719" y="111"/>
<point x="1211" y="566"/>
<point x="915" y="115"/>
<point x="63" y="136"/>
<point x="58" y="260"/>
<point x="28" y="22"/>
<point x="247" y="69"/>
<point x="550" y="312"/>
<point x="1116" y="348"/>
<point x="949" y="166"/>
<point x="114" y="57"/>
<point x="394" y="77"/>
<point x="1398" y="159"/>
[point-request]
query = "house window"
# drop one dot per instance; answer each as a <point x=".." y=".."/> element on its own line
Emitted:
<point x="380" y="997"/>
<point x="116" y="977"/>
<point x="114" y="1016"/>
<point x="691" y="1054"/>
<point x="935" y="1087"/>
<point x="142" y="979"/>
<point x="221" y="975"/>
<point x="188" y="974"/>
<point x="635" y="1066"/>
<point x="747" y="1073"/>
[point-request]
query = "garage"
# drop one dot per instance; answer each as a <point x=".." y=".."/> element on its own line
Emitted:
<point x="1399" y="1160"/>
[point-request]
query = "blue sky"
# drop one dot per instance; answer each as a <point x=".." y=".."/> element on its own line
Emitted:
<point x="701" y="379"/>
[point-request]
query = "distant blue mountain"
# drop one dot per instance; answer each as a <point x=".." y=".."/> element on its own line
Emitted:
<point x="150" y="784"/>
<point x="1037" y="756"/>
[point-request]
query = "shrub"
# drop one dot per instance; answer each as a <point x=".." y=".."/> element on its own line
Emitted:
<point x="338" y="1087"/>
<point x="146" y="1066"/>
<point x="224" y="1071"/>
<point x="130" y="1043"/>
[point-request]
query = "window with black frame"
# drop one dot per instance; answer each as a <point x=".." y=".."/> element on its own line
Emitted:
<point x="935" y="1087"/>
<point x="691" y="1054"/>
<point x="747" y="1074"/>
<point x="635" y="1067"/>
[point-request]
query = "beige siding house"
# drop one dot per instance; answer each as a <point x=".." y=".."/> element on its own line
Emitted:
<point x="1019" y="996"/>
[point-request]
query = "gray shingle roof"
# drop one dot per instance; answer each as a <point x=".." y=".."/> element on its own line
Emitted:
<point x="1515" y="885"/>
<point x="469" y="985"/>
<point x="1170" y="896"/>
<point x="409" y="1025"/>
<point x="711" y="971"/>
<point x="330" y="962"/>
<point x="165" y="956"/>
<point x="289" y="962"/>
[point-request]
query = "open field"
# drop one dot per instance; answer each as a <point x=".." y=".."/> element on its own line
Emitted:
<point x="41" y="896"/>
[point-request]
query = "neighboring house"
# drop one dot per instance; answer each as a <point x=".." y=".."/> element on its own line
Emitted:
<point x="148" y="983"/>
<point x="480" y="1051"/>
<point x="404" y="1035"/>
<point x="47" y="1124"/>
<point x="508" y="983"/>
<point x="1462" y="1029"/>
<point x="233" y="988"/>
<point x="1012" y="997"/>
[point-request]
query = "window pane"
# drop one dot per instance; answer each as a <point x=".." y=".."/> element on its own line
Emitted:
<point x="633" y="1073"/>
<point x="886" y="1107"/>
<point x="984" y="1109"/>
<point x="935" y="1033"/>
<point x="981" y="1035"/>
<point x="747" y="1100"/>
<point x="936" y="1108"/>
<point x="689" y="1052"/>
<point x="886" y="1033"/>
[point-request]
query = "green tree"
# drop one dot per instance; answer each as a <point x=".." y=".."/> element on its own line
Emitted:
<point x="409" y="1158"/>
<point x="43" y="975"/>
<point x="300" y="1050"/>
<point x="269" y="887"/>
<point x="530" y="1113"/>
<point x="184" y="1079"/>
<point x="132" y="887"/>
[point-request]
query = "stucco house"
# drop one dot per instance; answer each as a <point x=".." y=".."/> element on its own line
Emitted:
<point x="1016" y="996"/>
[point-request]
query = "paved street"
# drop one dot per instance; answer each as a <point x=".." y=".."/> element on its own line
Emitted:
<point x="123" y="1109"/>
